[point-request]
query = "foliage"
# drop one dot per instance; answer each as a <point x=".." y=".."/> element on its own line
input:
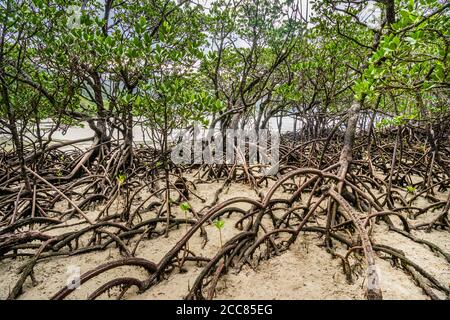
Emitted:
<point x="172" y="63"/>
<point x="410" y="189"/>
<point x="219" y="224"/>
<point x="121" y="178"/>
<point x="185" y="206"/>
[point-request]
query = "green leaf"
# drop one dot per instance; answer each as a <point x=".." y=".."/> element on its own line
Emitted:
<point x="219" y="224"/>
<point x="121" y="179"/>
<point x="185" y="206"/>
<point x="142" y="21"/>
<point x="147" y="38"/>
<point x="410" y="189"/>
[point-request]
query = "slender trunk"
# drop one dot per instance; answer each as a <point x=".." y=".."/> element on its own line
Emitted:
<point x="280" y="122"/>
<point x="344" y="164"/>
<point x="18" y="144"/>
<point x="101" y="112"/>
<point x="128" y="143"/>
<point x="166" y="171"/>
<point x="349" y="138"/>
<point x="17" y="140"/>
<point x="295" y="128"/>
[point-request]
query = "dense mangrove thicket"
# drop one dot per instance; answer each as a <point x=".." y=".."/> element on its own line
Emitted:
<point x="366" y="84"/>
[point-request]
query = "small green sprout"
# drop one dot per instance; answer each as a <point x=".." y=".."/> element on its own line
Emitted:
<point x="424" y="148"/>
<point x="59" y="173"/>
<point x="219" y="225"/>
<point x="185" y="206"/>
<point x="121" y="179"/>
<point x="410" y="189"/>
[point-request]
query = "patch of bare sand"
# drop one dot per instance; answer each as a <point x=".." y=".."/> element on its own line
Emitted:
<point x="311" y="273"/>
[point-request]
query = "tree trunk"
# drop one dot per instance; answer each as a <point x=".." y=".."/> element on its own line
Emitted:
<point x="349" y="138"/>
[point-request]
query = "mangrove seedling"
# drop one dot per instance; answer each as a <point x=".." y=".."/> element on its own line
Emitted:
<point x="219" y="225"/>
<point x="410" y="189"/>
<point x="185" y="208"/>
<point x="121" y="179"/>
<point x="59" y="175"/>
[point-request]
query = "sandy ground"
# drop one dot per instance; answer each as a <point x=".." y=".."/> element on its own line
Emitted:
<point x="306" y="271"/>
